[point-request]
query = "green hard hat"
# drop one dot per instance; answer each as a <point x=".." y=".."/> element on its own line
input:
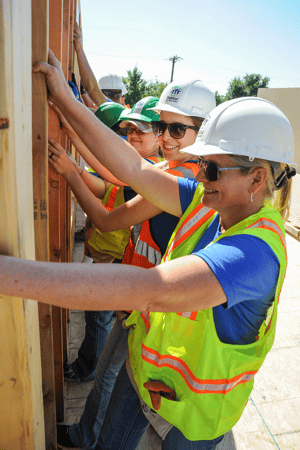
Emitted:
<point x="141" y="112"/>
<point x="109" y="113"/>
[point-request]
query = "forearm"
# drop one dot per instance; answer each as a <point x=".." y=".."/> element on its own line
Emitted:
<point x="96" y="185"/>
<point x="88" y="79"/>
<point x="88" y="287"/>
<point x="90" y="204"/>
<point x="92" y="161"/>
<point x="185" y="284"/>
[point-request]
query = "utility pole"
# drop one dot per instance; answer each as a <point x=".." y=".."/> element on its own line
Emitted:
<point x="174" y="59"/>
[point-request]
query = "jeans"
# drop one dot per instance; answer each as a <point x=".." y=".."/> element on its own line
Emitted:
<point x="97" y="328"/>
<point x="125" y="423"/>
<point x="85" y="433"/>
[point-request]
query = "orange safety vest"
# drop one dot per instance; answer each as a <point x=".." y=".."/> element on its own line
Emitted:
<point x="142" y="251"/>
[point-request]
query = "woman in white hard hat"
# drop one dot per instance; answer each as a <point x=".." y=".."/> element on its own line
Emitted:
<point x="195" y="360"/>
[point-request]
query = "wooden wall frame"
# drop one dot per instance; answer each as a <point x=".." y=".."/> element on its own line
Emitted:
<point x="36" y="220"/>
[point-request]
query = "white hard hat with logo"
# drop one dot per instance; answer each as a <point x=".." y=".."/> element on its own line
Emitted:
<point x="111" y="81"/>
<point x="192" y="98"/>
<point x="247" y="126"/>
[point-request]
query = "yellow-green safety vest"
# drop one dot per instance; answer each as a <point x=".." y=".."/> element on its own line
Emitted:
<point x="115" y="242"/>
<point x="112" y="242"/>
<point x="212" y="380"/>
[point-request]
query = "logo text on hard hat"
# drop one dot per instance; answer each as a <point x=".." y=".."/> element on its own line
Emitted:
<point x="176" y="90"/>
<point x="173" y="97"/>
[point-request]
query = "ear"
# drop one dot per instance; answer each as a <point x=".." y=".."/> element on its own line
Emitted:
<point x="259" y="180"/>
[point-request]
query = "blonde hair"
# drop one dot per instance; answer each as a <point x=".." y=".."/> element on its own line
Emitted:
<point x="281" y="199"/>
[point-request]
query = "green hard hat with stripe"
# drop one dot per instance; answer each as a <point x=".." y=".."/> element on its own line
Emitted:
<point x="141" y="112"/>
<point x="109" y="113"/>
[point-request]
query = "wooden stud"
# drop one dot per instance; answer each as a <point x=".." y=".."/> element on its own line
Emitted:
<point x="21" y="411"/>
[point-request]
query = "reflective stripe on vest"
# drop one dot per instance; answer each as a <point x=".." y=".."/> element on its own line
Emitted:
<point x="146" y="252"/>
<point x="109" y="203"/>
<point x="154" y="159"/>
<point x="195" y="219"/>
<point x="195" y="384"/>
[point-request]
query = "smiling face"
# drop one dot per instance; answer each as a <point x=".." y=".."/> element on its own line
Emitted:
<point x="170" y="146"/>
<point x="146" y="144"/>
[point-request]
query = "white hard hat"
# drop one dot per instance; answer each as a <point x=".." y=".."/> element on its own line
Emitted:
<point x="124" y="90"/>
<point x="111" y="81"/>
<point x="192" y="98"/>
<point x="247" y="126"/>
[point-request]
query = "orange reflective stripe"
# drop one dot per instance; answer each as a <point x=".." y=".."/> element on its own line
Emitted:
<point x="192" y="222"/>
<point x="221" y="386"/>
<point x="145" y="315"/>
<point x="272" y="226"/>
<point x="189" y="315"/>
<point x="112" y="198"/>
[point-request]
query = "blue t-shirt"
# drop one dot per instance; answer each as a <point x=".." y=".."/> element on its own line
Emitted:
<point x="247" y="269"/>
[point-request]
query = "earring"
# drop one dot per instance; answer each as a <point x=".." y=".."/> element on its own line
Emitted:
<point x="251" y="197"/>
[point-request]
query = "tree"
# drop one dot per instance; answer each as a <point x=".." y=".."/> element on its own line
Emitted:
<point x="243" y="87"/>
<point x="155" y="88"/>
<point x="138" y="88"/>
<point x="247" y="86"/>
<point x="219" y="98"/>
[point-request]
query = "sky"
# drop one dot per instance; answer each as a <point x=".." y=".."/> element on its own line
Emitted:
<point x="216" y="40"/>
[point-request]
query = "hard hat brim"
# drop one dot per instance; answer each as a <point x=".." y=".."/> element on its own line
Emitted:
<point x="167" y="108"/>
<point x="134" y="116"/>
<point x="200" y="149"/>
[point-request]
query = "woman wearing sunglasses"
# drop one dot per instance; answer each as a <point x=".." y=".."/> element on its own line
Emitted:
<point x="208" y="313"/>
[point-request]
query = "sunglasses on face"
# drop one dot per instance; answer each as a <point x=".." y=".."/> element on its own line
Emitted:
<point x="112" y="94"/>
<point x="176" y="130"/>
<point x="131" y="130"/>
<point x="211" y="169"/>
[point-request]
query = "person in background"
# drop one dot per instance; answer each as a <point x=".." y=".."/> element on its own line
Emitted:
<point x="110" y="86"/>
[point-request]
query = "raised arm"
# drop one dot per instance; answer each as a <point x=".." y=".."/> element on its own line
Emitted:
<point x="87" y="76"/>
<point x="84" y="151"/>
<point x="113" y="152"/>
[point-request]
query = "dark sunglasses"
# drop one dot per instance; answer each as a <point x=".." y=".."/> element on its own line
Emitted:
<point x="211" y="169"/>
<point x="112" y="94"/>
<point x="176" y="130"/>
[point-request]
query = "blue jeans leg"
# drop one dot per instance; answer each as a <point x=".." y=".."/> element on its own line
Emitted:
<point x="85" y="433"/>
<point x="175" y="440"/>
<point x="124" y="423"/>
<point x="97" y="328"/>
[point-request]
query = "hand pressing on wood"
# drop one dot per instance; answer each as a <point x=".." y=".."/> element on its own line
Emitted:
<point x="62" y="161"/>
<point x="58" y="87"/>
